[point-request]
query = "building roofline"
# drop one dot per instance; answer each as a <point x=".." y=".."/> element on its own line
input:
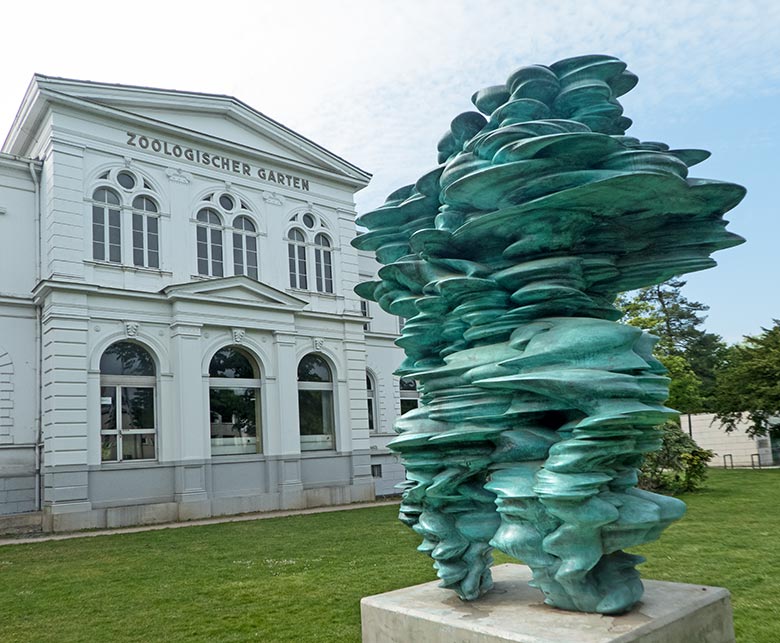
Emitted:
<point x="39" y="79"/>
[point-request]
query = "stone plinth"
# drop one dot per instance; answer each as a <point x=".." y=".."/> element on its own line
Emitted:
<point x="514" y="611"/>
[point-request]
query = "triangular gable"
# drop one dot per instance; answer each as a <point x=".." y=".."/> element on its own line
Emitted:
<point x="222" y="117"/>
<point x="234" y="290"/>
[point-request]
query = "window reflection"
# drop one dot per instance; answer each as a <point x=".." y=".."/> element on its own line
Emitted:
<point x="234" y="403"/>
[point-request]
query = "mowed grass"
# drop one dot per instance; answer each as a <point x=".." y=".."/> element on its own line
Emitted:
<point x="301" y="578"/>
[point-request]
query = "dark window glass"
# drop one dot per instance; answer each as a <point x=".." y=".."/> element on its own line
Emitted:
<point x="126" y="180"/>
<point x="98" y="234"/>
<point x="209" y="215"/>
<point x="126" y="358"/>
<point x="323" y="264"/>
<point x="144" y="203"/>
<point x="308" y="221"/>
<point x="408" y="384"/>
<point x="108" y="408"/>
<point x="108" y="448"/>
<point x="316" y="414"/>
<point x="153" y="237"/>
<point x="292" y="270"/>
<point x="227" y="202"/>
<point x="234" y="418"/>
<point x="232" y="362"/>
<point x="104" y="195"/>
<point x="251" y="256"/>
<point x="137" y="408"/>
<point x="114" y="236"/>
<point x="297" y="257"/>
<point x="138" y="446"/>
<point x="243" y="223"/>
<point x="314" y="368"/>
<point x="408" y="405"/>
<point x="238" y="253"/>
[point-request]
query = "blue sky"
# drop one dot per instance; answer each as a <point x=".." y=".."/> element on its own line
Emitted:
<point x="379" y="81"/>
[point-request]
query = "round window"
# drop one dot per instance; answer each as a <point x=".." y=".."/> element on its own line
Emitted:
<point x="308" y="220"/>
<point x="126" y="180"/>
<point x="226" y="201"/>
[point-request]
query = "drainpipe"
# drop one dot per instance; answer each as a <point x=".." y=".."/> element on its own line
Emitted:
<point x="38" y="340"/>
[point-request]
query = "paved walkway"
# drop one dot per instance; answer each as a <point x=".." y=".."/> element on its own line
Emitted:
<point x="37" y="538"/>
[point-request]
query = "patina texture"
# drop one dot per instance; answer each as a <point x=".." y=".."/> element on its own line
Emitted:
<point x="537" y="405"/>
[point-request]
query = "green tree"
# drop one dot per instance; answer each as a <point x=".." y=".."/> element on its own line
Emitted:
<point x="665" y="312"/>
<point x="692" y="355"/>
<point x="748" y="386"/>
<point x="685" y="387"/>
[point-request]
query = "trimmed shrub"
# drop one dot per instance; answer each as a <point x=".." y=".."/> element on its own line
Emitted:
<point x="680" y="465"/>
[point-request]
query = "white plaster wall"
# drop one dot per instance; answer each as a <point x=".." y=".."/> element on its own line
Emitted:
<point x="17" y="357"/>
<point x="709" y="434"/>
<point x="17" y="229"/>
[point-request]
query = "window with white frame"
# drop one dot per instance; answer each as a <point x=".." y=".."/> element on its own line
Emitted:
<point x="146" y="232"/>
<point x="373" y="425"/>
<point x="315" y="404"/>
<point x="234" y="403"/>
<point x="106" y="226"/>
<point x="410" y="397"/>
<point x="123" y="200"/>
<point x="365" y="310"/>
<point x="323" y="263"/>
<point x="309" y="244"/>
<point x="209" y="243"/>
<point x="296" y="253"/>
<point x="244" y="247"/>
<point x="128" y="415"/>
<point x="226" y="217"/>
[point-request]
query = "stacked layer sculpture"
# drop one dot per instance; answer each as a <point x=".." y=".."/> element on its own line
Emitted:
<point x="537" y="405"/>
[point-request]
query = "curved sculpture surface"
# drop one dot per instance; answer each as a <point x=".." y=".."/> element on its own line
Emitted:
<point x="537" y="405"/>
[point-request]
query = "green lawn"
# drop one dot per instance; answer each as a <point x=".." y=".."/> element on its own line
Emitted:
<point x="301" y="578"/>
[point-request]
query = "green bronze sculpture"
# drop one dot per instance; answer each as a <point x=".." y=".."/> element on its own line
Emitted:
<point x="537" y="404"/>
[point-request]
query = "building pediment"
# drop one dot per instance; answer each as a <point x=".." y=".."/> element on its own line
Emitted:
<point x="234" y="290"/>
<point x="222" y="118"/>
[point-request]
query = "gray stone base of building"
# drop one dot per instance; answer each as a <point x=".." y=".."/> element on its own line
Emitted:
<point x="21" y="524"/>
<point x="76" y="516"/>
<point x="514" y="611"/>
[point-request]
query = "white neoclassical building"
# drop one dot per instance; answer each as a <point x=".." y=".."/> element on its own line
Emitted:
<point x="179" y="336"/>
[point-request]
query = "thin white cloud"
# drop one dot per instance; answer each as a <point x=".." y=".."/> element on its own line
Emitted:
<point x="378" y="81"/>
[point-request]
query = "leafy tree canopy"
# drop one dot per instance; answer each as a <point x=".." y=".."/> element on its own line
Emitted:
<point x="691" y="354"/>
<point x="665" y="312"/>
<point x="748" y="385"/>
<point x="685" y="389"/>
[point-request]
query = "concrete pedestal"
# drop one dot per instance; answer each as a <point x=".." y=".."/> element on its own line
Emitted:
<point x="513" y="611"/>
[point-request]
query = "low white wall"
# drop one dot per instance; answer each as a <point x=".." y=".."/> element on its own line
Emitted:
<point x="709" y="434"/>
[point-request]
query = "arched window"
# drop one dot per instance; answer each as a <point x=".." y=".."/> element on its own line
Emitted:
<point x="125" y="204"/>
<point x="146" y="232"/>
<point x="373" y="425"/>
<point x="209" y="241"/>
<point x="323" y="263"/>
<point x="244" y="246"/>
<point x="410" y="397"/>
<point x="106" y="226"/>
<point x="234" y="403"/>
<point x="315" y="404"/>
<point x="128" y="383"/>
<point x="296" y="252"/>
